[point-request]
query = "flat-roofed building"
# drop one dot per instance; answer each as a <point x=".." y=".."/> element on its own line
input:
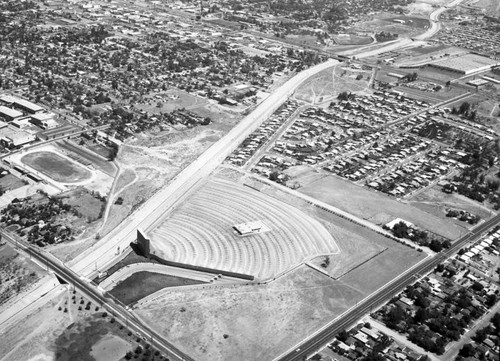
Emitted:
<point x="44" y="120"/>
<point x="9" y="114"/>
<point x="466" y="64"/>
<point x="13" y="137"/>
<point x="22" y="104"/>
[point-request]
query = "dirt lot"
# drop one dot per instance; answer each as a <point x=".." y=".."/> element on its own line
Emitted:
<point x="59" y="331"/>
<point x="376" y="207"/>
<point x="326" y="85"/>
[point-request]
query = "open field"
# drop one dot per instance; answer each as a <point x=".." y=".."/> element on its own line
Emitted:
<point x="326" y="85"/>
<point x="351" y="39"/>
<point x="83" y="202"/>
<point x="198" y="319"/>
<point x="402" y="25"/>
<point x="56" y="167"/>
<point x="170" y="100"/>
<point x="16" y="273"/>
<point x="434" y="201"/>
<point x="9" y="182"/>
<point x="65" y="330"/>
<point x="376" y="207"/>
<point x="142" y="284"/>
<point x="200" y="232"/>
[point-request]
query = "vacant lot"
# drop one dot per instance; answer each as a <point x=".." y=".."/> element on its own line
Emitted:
<point x="326" y="85"/>
<point x="88" y="206"/>
<point x="142" y="284"/>
<point x="376" y="207"/>
<point x="434" y="201"/>
<point x="16" y="273"/>
<point x="67" y="329"/>
<point x="56" y="167"/>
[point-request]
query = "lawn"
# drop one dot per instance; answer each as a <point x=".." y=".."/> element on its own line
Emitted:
<point x="142" y="284"/>
<point x="9" y="182"/>
<point x="56" y="167"/>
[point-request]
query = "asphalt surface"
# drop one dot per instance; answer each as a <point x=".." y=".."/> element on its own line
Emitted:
<point x="326" y="335"/>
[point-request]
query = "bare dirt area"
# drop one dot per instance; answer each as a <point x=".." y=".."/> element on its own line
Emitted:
<point x="376" y="207"/>
<point x="434" y="201"/>
<point x="150" y="161"/>
<point x="65" y="329"/>
<point x="326" y="85"/>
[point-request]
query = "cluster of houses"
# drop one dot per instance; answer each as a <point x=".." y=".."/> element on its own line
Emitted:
<point x="266" y="130"/>
<point x="21" y="120"/>
<point x="362" y="340"/>
<point x="408" y="177"/>
<point x="472" y="31"/>
<point x="379" y="108"/>
<point x="453" y="289"/>
<point x="478" y="256"/>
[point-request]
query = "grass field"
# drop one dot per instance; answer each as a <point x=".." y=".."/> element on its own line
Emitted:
<point x="56" y="167"/>
<point x="80" y="199"/>
<point x="434" y="201"/>
<point x="376" y="207"/>
<point x="142" y="284"/>
<point x="9" y="182"/>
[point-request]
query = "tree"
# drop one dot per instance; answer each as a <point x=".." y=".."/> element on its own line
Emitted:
<point x="342" y="336"/>
<point x="274" y="176"/>
<point x="467" y="350"/>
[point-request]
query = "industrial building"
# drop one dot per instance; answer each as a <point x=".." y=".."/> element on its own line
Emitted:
<point x="466" y="64"/>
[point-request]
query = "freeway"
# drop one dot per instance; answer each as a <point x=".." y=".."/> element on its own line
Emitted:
<point x="326" y="334"/>
<point x="113" y="306"/>
<point x="152" y="212"/>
